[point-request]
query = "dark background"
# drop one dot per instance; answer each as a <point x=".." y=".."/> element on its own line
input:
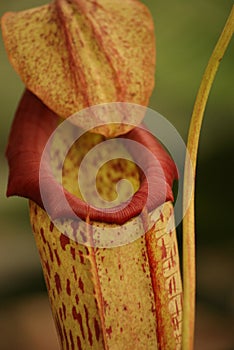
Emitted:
<point x="186" y="33"/>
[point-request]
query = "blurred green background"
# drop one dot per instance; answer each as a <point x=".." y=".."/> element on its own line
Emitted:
<point x="186" y="33"/>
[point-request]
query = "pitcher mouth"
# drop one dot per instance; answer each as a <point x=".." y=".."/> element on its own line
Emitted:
<point x="33" y="125"/>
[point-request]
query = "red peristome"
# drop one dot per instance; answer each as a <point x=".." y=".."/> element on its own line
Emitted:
<point x="32" y="127"/>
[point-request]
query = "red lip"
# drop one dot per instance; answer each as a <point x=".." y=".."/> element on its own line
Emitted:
<point x="33" y="125"/>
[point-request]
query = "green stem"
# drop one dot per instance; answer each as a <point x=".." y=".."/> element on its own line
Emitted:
<point x="189" y="270"/>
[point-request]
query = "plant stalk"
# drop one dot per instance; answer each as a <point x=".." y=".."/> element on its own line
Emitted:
<point x="189" y="270"/>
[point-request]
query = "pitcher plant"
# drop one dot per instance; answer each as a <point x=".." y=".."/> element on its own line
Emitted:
<point x="103" y="217"/>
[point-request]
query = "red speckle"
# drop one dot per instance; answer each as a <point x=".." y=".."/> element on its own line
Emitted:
<point x="87" y="324"/>
<point x="58" y="326"/>
<point x="172" y="259"/>
<point x="73" y="252"/>
<point x="72" y="341"/>
<point x="47" y="282"/>
<point x="105" y="304"/>
<point x="144" y="255"/>
<point x="64" y="240"/>
<point x="143" y="268"/>
<point x="58" y="283"/>
<point x="79" y="343"/>
<point x="161" y="217"/>
<point x="177" y="308"/>
<point x="64" y="311"/>
<point x="35" y="210"/>
<point x="51" y="253"/>
<point x="175" y="323"/>
<point x="42" y="235"/>
<point x="96" y="303"/>
<point x="164" y="251"/>
<point x="51" y="227"/>
<point x="97" y="329"/>
<point x="153" y="308"/>
<point x="77" y="299"/>
<point x="60" y="313"/>
<point x="174" y="283"/>
<point x="66" y="339"/>
<point x="68" y="287"/>
<point x="109" y="331"/>
<point x="170" y="288"/>
<point x="81" y="257"/>
<point x="78" y="317"/>
<point x="121" y="330"/>
<point x="74" y="271"/>
<point x="57" y="257"/>
<point x="47" y="266"/>
<point x="81" y="285"/>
